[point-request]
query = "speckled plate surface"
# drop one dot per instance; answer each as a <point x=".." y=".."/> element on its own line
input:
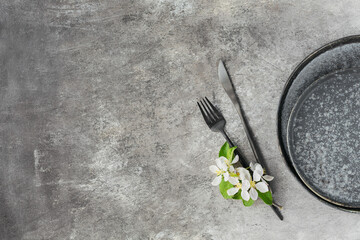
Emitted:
<point x="337" y="55"/>
<point x="323" y="137"/>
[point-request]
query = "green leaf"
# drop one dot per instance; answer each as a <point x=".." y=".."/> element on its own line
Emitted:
<point x="237" y="195"/>
<point x="224" y="186"/>
<point x="266" y="197"/>
<point x="224" y="150"/>
<point x="248" y="203"/>
<point x="230" y="155"/>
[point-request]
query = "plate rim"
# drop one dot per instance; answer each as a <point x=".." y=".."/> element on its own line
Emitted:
<point x="336" y="43"/>
<point x="294" y="111"/>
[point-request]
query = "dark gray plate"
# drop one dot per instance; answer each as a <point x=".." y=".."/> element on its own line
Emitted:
<point x="340" y="54"/>
<point x="324" y="137"/>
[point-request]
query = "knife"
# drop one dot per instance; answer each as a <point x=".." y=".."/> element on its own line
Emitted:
<point x="230" y="90"/>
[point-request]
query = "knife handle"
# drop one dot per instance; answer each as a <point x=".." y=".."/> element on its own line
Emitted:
<point x="277" y="212"/>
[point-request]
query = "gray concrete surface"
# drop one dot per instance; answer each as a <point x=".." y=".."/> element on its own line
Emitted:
<point x="100" y="134"/>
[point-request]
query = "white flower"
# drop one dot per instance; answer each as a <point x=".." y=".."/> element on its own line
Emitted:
<point x="223" y="169"/>
<point x="227" y="161"/>
<point x="258" y="172"/>
<point x="220" y="170"/>
<point x="237" y="185"/>
<point x="231" y="171"/>
<point x="249" y="186"/>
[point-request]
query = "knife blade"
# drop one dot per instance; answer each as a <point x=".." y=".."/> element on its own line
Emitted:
<point x="230" y="90"/>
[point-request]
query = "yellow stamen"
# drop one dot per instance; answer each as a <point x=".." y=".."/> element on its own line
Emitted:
<point x="238" y="185"/>
<point x="252" y="184"/>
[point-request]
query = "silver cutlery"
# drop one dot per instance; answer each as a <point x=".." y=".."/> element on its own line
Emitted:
<point x="230" y="90"/>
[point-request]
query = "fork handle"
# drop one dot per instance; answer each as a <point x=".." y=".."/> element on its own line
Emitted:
<point x="237" y="152"/>
<point x="231" y="144"/>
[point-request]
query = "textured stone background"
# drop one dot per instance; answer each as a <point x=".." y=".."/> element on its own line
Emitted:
<point x="100" y="134"/>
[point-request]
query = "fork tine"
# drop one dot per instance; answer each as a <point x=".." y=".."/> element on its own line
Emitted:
<point x="204" y="115"/>
<point x="211" y="108"/>
<point x="212" y="113"/>
<point x="211" y="117"/>
<point x="219" y="115"/>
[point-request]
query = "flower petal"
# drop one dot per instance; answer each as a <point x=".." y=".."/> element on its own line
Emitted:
<point x="216" y="180"/>
<point x="253" y="194"/>
<point x="233" y="180"/>
<point x="226" y="176"/>
<point x="235" y="160"/>
<point x="252" y="167"/>
<point x="213" y="168"/>
<point x="244" y="174"/>
<point x="259" y="169"/>
<point x="245" y="185"/>
<point x="256" y="176"/>
<point x="268" y="178"/>
<point x="262" y="187"/>
<point x="224" y="167"/>
<point x="245" y="195"/>
<point x="232" y="191"/>
<point x="231" y="169"/>
<point x="219" y="163"/>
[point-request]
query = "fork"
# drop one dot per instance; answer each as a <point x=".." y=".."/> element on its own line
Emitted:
<point x="216" y="122"/>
